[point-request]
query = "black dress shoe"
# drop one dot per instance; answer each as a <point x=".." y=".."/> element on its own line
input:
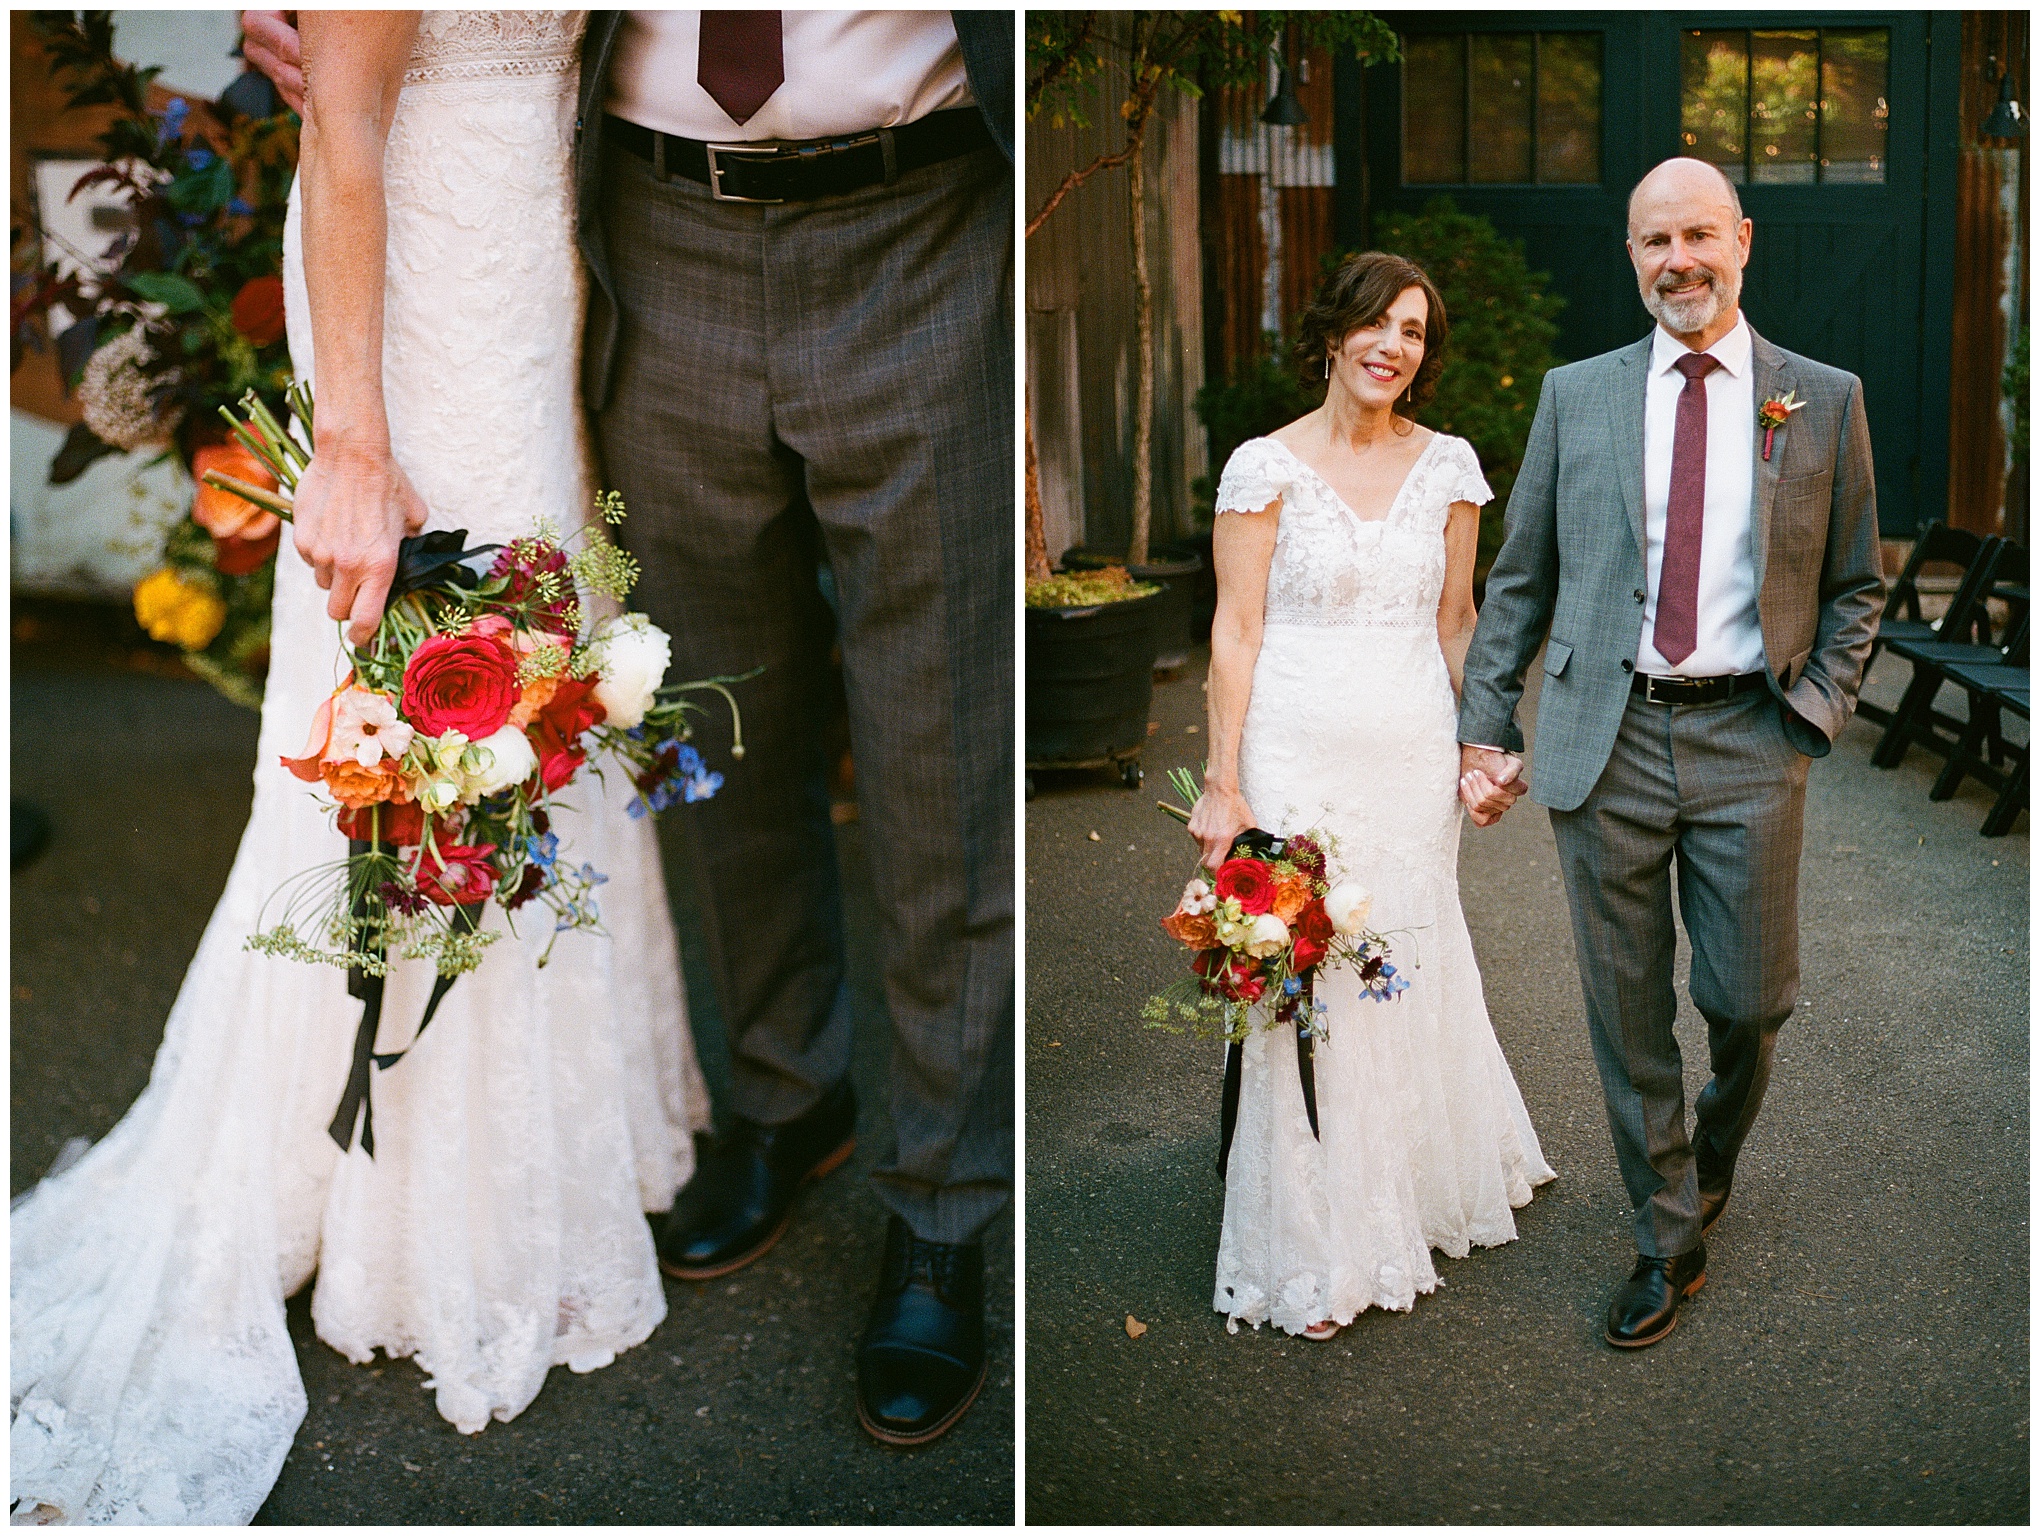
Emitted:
<point x="740" y="1199"/>
<point x="1645" y="1307"/>
<point x="922" y="1358"/>
<point x="1714" y="1178"/>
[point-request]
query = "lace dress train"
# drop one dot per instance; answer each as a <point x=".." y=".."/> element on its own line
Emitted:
<point x="1351" y="729"/>
<point x="499" y="1229"/>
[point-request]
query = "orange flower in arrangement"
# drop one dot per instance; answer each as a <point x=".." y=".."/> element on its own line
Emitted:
<point x="1194" y="930"/>
<point x="537" y="694"/>
<point x="1292" y="895"/>
<point x="357" y="787"/>
<point x="244" y="535"/>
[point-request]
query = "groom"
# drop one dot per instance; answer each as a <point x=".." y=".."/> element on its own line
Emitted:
<point x="798" y="230"/>
<point x="1710" y="590"/>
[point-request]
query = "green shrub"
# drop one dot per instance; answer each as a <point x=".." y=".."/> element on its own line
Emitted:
<point x="1504" y="321"/>
<point x="1262" y="394"/>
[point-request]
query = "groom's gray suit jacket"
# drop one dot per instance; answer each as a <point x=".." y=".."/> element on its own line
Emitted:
<point x="1572" y="565"/>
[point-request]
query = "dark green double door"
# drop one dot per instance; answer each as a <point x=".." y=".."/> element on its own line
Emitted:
<point x="1855" y="272"/>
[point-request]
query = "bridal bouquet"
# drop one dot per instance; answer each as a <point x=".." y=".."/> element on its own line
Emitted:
<point x="1261" y="928"/>
<point x="476" y="701"/>
<point x="1259" y="931"/>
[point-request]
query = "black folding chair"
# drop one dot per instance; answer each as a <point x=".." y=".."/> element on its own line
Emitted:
<point x="1983" y="752"/>
<point x="1916" y="722"/>
<point x="1938" y="544"/>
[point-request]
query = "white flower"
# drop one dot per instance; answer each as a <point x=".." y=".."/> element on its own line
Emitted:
<point x="631" y="655"/>
<point x="1198" y="898"/>
<point x="1347" y="904"/>
<point x="511" y="760"/>
<point x="1270" y="936"/>
<point x="114" y="395"/>
<point x="1233" y="929"/>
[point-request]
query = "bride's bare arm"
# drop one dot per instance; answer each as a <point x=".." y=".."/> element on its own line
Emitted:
<point x="354" y="503"/>
<point x="1242" y="544"/>
<point x="1456" y="613"/>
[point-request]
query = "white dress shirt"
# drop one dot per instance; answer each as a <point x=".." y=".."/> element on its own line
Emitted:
<point x="1726" y="634"/>
<point x="846" y="72"/>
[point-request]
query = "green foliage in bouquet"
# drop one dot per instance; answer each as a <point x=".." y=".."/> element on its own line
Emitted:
<point x="1504" y="323"/>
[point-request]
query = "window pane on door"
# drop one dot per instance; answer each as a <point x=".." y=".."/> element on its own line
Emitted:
<point x="1784" y="106"/>
<point x="1501" y="79"/>
<point x="1855" y="106"/>
<point x="1714" y="99"/>
<point x="1569" y="107"/>
<point x="1434" y="108"/>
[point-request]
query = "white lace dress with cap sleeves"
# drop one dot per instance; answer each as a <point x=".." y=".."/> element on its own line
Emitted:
<point x="499" y="1229"/>
<point x="1352" y="729"/>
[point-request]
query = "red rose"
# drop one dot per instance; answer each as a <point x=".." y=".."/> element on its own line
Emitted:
<point x="402" y="825"/>
<point x="1304" y="953"/>
<point x="465" y="876"/>
<point x="466" y="684"/>
<point x="1315" y="924"/>
<point x="258" y="310"/>
<point x="1248" y="882"/>
<point x="555" y="731"/>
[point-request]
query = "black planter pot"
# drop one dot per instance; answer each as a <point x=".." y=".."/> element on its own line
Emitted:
<point x="1203" y="586"/>
<point x="1176" y="574"/>
<point x="1090" y="679"/>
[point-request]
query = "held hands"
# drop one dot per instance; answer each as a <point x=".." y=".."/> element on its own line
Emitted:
<point x="1220" y="815"/>
<point x="353" y="507"/>
<point x="1489" y="783"/>
<point x="269" y="42"/>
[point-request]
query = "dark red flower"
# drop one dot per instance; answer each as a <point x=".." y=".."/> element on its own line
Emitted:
<point x="1228" y="975"/>
<point x="532" y="883"/>
<point x="1305" y="952"/>
<point x="522" y="562"/>
<point x="1307" y="856"/>
<point x="556" y="731"/>
<point x="401" y="825"/>
<point x="258" y="310"/>
<point x="1314" y="923"/>
<point x="1248" y="882"/>
<point x="466" y="683"/>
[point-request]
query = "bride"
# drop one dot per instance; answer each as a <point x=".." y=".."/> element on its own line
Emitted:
<point x="1344" y="552"/>
<point x="498" y="1230"/>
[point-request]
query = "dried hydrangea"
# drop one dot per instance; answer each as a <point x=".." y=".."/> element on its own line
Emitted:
<point x="114" y="395"/>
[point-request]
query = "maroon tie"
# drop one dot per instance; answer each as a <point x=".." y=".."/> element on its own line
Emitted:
<point x="741" y="62"/>
<point x="1678" y="602"/>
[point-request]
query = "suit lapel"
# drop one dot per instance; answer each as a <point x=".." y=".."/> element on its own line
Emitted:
<point x="1770" y="375"/>
<point x="1630" y="385"/>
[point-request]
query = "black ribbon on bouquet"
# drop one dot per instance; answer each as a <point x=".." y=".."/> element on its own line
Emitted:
<point x="355" y="1103"/>
<point x="1295" y="1010"/>
<point x="437" y="559"/>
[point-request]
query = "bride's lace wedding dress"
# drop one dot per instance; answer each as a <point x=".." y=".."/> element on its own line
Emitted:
<point x="1351" y="728"/>
<point x="498" y="1230"/>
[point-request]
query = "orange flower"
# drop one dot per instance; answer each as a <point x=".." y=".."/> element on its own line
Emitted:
<point x="244" y="535"/>
<point x="1292" y="895"/>
<point x="537" y="694"/>
<point x="1194" y="930"/>
<point x="356" y="787"/>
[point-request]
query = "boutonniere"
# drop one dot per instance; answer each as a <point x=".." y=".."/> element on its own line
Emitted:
<point x="1774" y="413"/>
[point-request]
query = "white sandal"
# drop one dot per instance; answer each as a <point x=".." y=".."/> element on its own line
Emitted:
<point x="1318" y="1332"/>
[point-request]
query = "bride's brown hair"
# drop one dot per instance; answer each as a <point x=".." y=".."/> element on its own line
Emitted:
<point x="1358" y="293"/>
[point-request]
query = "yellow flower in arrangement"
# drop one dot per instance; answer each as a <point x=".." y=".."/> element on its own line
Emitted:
<point x="171" y="608"/>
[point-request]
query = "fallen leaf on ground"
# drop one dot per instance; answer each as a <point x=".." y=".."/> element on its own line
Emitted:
<point x="1134" y="1326"/>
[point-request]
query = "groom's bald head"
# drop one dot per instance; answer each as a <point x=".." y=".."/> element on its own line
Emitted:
<point x="1685" y="180"/>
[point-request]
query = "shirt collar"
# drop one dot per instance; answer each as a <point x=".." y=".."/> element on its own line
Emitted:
<point x="1732" y="351"/>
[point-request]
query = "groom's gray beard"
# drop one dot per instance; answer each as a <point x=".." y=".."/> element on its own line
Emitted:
<point x="1684" y="317"/>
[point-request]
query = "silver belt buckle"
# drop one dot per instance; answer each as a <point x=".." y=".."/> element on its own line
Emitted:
<point x="1650" y="688"/>
<point x="715" y="170"/>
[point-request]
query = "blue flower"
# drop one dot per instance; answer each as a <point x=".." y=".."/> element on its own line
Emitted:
<point x="174" y="116"/>
<point x="1291" y="987"/>
<point x="701" y="785"/>
<point x="635" y="733"/>
<point x="240" y="205"/>
<point x="689" y="761"/>
<point x="199" y="159"/>
<point x="592" y="876"/>
<point x="543" y="850"/>
<point x="636" y="809"/>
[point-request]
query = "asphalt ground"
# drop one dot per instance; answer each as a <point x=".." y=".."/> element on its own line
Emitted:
<point x="1858" y="1355"/>
<point x="738" y="1409"/>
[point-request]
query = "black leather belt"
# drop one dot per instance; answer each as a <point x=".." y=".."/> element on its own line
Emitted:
<point x="776" y="171"/>
<point x="1694" y="690"/>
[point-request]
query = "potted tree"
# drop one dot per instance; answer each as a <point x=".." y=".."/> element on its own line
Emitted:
<point x="1148" y="52"/>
